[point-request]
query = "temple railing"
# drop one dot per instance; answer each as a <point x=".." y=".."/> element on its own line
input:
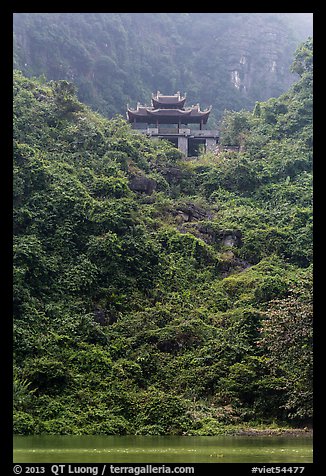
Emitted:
<point x="154" y="131"/>
<point x="168" y="130"/>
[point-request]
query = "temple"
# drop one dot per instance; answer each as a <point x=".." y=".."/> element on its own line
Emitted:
<point x="167" y="117"/>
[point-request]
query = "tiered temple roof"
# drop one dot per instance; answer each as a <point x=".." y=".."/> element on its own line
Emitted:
<point x="168" y="102"/>
<point x="168" y="110"/>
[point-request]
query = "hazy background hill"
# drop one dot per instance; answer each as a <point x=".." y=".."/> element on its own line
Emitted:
<point x="229" y="60"/>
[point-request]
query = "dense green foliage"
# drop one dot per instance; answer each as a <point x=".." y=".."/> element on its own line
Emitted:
<point x="157" y="295"/>
<point x="227" y="60"/>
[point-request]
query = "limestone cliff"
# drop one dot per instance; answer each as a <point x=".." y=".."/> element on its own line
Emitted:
<point x="227" y="60"/>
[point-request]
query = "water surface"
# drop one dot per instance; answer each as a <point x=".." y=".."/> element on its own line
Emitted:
<point x="162" y="449"/>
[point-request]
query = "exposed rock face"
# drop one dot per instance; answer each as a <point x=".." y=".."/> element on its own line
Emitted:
<point x="257" y="60"/>
<point x="172" y="174"/>
<point x="231" y="264"/>
<point x="231" y="239"/>
<point x="103" y="316"/>
<point x="100" y="316"/>
<point x="142" y="184"/>
<point x="190" y="211"/>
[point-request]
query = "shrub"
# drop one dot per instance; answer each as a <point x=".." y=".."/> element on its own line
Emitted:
<point x="23" y="423"/>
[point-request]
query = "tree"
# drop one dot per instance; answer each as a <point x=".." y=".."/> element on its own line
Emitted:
<point x="235" y="126"/>
<point x="303" y="58"/>
<point x="287" y="338"/>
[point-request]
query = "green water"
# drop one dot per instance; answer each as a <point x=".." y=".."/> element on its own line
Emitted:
<point x="162" y="449"/>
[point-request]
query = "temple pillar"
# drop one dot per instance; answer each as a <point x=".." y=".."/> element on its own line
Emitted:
<point x="210" y="144"/>
<point x="183" y="144"/>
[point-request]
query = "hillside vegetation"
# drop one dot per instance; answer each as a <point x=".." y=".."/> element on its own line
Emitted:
<point x="229" y="60"/>
<point x="158" y="295"/>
